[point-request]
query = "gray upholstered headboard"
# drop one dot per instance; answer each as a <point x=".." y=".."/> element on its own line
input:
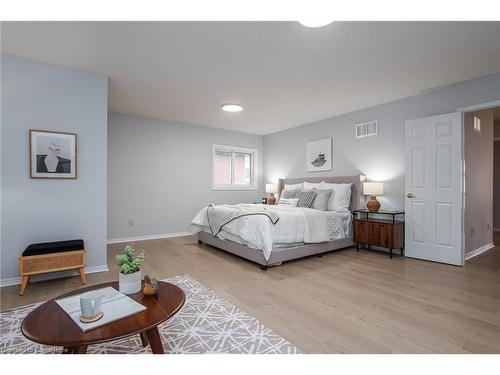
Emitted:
<point x="356" y="192"/>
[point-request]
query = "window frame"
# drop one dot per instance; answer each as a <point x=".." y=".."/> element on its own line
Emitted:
<point x="253" y="167"/>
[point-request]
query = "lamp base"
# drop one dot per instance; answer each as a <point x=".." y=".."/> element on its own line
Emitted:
<point x="373" y="204"/>
<point x="271" y="199"/>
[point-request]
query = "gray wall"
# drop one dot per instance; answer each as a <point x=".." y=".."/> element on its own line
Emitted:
<point x="380" y="158"/>
<point x="160" y="174"/>
<point x="478" y="156"/>
<point x="496" y="180"/>
<point x="43" y="96"/>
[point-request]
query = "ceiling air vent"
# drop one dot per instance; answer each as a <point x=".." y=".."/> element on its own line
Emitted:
<point x="367" y="129"/>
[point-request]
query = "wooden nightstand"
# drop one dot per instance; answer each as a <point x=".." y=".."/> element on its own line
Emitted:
<point x="379" y="231"/>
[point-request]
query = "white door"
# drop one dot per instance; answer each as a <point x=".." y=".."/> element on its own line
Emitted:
<point x="433" y="185"/>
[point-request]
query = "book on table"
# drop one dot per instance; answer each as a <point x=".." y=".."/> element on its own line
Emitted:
<point x="115" y="306"/>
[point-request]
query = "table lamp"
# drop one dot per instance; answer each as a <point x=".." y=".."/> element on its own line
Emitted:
<point x="271" y="189"/>
<point x="373" y="189"/>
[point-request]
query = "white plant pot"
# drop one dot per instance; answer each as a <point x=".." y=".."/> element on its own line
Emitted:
<point x="130" y="283"/>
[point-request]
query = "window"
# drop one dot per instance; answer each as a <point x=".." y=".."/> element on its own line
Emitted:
<point x="234" y="168"/>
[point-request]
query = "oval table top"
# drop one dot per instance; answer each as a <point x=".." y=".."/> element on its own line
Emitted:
<point x="48" y="324"/>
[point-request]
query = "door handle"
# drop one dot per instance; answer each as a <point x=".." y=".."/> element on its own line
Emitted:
<point x="410" y="195"/>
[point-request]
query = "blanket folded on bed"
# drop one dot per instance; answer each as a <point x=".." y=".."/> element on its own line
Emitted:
<point x="220" y="215"/>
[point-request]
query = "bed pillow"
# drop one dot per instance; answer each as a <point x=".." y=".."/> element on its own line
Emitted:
<point x="312" y="185"/>
<point x="306" y="198"/>
<point x="320" y="201"/>
<point x="289" y="202"/>
<point x="341" y="197"/>
<point x="294" y="186"/>
<point x="287" y="194"/>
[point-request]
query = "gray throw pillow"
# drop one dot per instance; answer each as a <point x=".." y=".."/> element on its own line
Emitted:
<point x="287" y="194"/>
<point x="320" y="202"/>
<point x="306" y="198"/>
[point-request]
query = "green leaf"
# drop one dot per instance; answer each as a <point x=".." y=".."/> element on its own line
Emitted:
<point x="128" y="262"/>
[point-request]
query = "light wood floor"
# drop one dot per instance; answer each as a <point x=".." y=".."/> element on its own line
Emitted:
<point x="344" y="302"/>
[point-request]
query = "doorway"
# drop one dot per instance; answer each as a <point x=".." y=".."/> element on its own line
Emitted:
<point x="452" y="184"/>
<point x="480" y="200"/>
<point x="496" y="177"/>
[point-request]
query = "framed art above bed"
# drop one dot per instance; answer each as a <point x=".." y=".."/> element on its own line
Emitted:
<point x="319" y="155"/>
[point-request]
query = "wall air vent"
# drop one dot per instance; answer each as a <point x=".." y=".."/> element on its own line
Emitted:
<point x="477" y="124"/>
<point x="367" y="129"/>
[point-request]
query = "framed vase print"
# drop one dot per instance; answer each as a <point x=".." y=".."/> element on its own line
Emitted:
<point x="319" y="155"/>
<point x="52" y="154"/>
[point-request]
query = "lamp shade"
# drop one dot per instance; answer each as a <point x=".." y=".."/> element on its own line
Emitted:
<point x="271" y="188"/>
<point x="373" y="188"/>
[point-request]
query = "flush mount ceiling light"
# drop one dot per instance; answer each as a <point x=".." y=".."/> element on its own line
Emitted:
<point x="314" y="22"/>
<point x="232" y="107"/>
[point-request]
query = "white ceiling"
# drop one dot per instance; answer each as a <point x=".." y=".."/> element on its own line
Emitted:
<point x="283" y="74"/>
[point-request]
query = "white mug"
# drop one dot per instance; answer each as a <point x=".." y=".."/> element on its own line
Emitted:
<point x="90" y="304"/>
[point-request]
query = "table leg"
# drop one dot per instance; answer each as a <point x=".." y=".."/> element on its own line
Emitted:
<point x="155" y="341"/>
<point x="80" y="349"/>
<point x="390" y="253"/>
<point x="144" y="339"/>
<point x="67" y="350"/>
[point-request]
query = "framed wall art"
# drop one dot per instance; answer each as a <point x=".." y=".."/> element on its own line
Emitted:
<point x="319" y="155"/>
<point x="52" y="154"/>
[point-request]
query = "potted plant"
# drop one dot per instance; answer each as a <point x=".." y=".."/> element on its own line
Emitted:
<point x="129" y="266"/>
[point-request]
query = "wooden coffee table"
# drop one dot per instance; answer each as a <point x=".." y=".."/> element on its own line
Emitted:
<point x="48" y="324"/>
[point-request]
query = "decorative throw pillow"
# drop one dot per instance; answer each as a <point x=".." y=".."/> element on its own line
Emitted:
<point x="320" y="202"/>
<point x="289" y="202"/>
<point x="306" y="198"/>
<point x="287" y="194"/>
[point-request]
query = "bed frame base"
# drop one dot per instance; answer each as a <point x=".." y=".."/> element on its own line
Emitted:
<point x="278" y="255"/>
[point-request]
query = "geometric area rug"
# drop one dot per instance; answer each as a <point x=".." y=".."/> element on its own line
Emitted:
<point x="206" y="324"/>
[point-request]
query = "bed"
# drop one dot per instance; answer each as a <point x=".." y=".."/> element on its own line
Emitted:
<point x="327" y="230"/>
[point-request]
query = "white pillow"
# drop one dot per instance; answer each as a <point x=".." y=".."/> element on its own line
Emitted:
<point x="294" y="186"/>
<point x="341" y="197"/>
<point x="313" y="185"/>
<point x="289" y="202"/>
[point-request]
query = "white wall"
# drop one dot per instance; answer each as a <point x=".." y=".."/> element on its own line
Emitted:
<point x="160" y="174"/>
<point x="44" y="96"/>
<point x="382" y="157"/>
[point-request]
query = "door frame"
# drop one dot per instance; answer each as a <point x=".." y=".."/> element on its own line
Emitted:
<point x="463" y="111"/>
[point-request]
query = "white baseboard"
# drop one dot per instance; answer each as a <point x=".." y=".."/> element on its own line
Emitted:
<point x="482" y="249"/>
<point x="145" y="238"/>
<point x="55" y="275"/>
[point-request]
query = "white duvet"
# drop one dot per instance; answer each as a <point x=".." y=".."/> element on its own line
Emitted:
<point x="296" y="225"/>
